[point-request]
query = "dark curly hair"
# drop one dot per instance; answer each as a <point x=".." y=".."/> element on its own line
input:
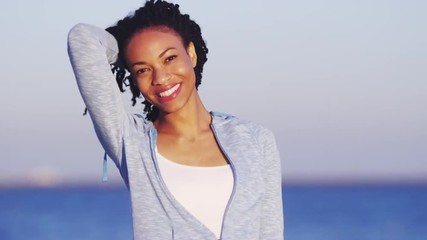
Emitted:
<point x="155" y="13"/>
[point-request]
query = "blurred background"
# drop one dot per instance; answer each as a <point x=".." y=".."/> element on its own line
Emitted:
<point x="342" y="84"/>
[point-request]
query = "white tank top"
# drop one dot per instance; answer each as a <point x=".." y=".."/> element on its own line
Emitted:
<point x="203" y="191"/>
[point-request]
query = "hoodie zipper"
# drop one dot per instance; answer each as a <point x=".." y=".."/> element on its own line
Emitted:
<point x="233" y="170"/>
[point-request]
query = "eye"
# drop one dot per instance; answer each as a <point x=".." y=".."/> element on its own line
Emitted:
<point x="170" y="58"/>
<point x="141" y="71"/>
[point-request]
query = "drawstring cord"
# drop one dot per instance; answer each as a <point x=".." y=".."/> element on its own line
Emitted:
<point x="105" y="169"/>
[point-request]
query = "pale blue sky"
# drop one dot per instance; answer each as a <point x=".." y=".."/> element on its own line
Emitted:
<point x="343" y="84"/>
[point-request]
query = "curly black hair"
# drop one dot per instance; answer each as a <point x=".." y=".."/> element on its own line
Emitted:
<point x="155" y="13"/>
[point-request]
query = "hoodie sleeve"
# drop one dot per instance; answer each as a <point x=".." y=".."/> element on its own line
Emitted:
<point x="91" y="51"/>
<point x="272" y="227"/>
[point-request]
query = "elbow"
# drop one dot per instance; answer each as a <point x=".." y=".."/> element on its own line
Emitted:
<point x="76" y="35"/>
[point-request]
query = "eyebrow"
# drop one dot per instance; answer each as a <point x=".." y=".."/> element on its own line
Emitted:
<point x="160" y="55"/>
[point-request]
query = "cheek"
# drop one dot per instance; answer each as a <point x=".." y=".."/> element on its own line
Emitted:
<point x="184" y="68"/>
<point x="143" y="87"/>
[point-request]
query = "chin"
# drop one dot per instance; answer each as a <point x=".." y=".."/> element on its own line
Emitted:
<point x="165" y="110"/>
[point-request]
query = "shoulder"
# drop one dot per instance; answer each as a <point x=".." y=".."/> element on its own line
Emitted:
<point x="232" y="123"/>
<point x="242" y="135"/>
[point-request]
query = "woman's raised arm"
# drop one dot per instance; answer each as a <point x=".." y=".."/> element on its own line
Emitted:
<point x="91" y="51"/>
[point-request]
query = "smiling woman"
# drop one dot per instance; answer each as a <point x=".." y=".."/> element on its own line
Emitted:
<point x="192" y="173"/>
<point x="162" y="68"/>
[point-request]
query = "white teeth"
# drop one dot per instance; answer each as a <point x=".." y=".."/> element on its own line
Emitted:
<point x="170" y="91"/>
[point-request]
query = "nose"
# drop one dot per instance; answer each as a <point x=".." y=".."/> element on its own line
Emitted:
<point x="161" y="76"/>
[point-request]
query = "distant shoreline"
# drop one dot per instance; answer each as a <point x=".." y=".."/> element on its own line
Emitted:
<point x="285" y="184"/>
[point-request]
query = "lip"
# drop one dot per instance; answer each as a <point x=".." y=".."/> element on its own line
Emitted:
<point x="171" y="96"/>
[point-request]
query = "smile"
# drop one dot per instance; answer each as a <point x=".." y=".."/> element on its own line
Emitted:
<point x="170" y="91"/>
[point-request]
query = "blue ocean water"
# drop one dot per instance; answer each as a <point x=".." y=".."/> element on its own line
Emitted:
<point x="311" y="213"/>
<point x="356" y="212"/>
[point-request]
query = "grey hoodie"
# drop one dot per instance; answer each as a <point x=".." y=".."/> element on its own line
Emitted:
<point x="254" y="210"/>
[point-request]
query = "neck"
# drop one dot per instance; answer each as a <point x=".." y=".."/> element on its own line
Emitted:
<point x="189" y="122"/>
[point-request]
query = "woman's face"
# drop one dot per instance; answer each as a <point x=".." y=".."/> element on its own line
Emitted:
<point x="162" y="67"/>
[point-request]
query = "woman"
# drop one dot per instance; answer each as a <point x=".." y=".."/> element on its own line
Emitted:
<point x="191" y="173"/>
